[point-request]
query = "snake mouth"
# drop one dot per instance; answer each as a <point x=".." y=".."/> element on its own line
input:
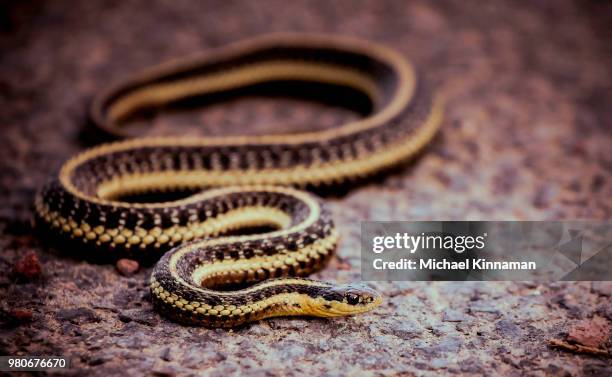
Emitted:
<point x="377" y="301"/>
<point x="341" y="309"/>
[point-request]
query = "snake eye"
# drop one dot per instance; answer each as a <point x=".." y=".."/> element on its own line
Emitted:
<point x="352" y="299"/>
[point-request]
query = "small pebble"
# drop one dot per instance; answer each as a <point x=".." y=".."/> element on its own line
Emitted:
<point x="127" y="267"/>
<point x="590" y="332"/>
<point x="165" y="354"/>
<point x="21" y="315"/>
<point x="28" y="267"/>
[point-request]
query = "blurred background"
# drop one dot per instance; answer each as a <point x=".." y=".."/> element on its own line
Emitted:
<point x="527" y="136"/>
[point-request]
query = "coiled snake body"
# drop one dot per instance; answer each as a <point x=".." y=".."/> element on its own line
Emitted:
<point x="249" y="179"/>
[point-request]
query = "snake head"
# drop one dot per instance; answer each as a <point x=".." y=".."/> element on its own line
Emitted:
<point x="346" y="299"/>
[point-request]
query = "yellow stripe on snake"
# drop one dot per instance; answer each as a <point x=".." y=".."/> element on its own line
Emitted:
<point x="249" y="180"/>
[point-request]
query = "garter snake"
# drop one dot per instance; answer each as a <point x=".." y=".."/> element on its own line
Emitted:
<point x="251" y="181"/>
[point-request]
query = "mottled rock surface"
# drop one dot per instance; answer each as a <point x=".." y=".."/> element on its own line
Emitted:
<point x="527" y="136"/>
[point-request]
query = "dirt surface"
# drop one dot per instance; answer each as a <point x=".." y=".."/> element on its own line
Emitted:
<point x="527" y="135"/>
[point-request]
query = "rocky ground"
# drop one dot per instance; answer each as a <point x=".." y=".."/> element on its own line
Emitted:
<point x="527" y="136"/>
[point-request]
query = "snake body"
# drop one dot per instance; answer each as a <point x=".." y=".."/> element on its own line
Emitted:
<point x="249" y="179"/>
